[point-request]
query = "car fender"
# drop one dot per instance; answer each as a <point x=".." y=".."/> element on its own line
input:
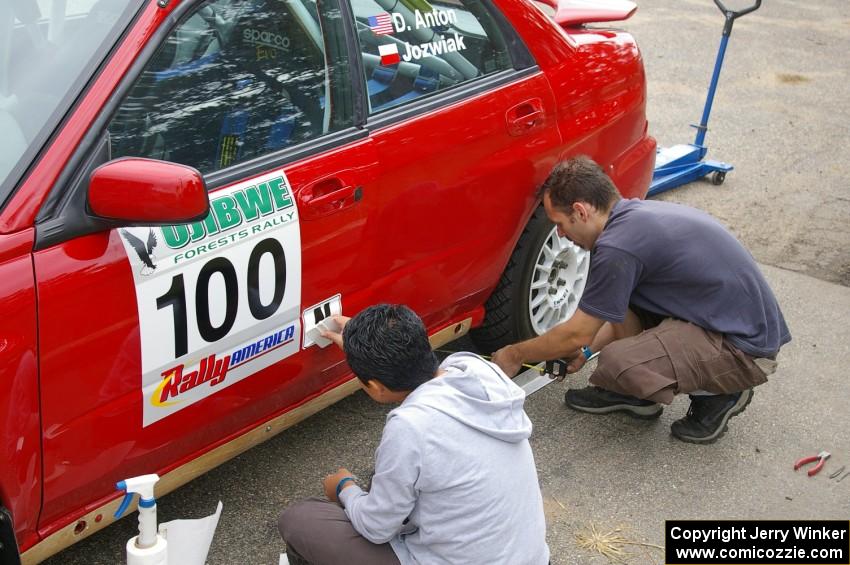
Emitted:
<point x="20" y="446"/>
<point x="599" y="83"/>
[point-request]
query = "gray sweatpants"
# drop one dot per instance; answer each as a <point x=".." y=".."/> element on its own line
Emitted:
<point x="318" y="532"/>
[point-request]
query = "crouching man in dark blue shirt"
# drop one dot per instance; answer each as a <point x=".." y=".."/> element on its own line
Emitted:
<point x="673" y="302"/>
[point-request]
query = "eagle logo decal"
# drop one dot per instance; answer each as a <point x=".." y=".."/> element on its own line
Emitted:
<point x="143" y="249"/>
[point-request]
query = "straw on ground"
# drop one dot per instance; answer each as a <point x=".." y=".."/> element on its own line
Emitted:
<point x="609" y="543"/>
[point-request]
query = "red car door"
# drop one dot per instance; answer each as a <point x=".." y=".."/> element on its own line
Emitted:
<point x="158" y="343"/>
<point x="465" y="126"/>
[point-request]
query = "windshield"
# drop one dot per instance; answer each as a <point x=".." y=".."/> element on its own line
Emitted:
<point x="46" y="46"/>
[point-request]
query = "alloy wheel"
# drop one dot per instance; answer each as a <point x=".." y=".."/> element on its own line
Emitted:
<point x="560" y="274"/>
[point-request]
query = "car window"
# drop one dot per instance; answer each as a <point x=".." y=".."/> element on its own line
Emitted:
<point x="47" y="51"/>
<point x="413" y="48"/>
<point x="236" y="80"/>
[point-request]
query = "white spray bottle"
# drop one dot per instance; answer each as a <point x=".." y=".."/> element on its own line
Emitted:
<point x="148" y="548"/>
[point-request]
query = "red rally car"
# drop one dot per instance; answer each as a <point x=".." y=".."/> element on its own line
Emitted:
<point x="188" y="187"/>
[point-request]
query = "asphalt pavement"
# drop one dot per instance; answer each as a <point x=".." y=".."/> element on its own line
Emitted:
<point x="782" y="118"/>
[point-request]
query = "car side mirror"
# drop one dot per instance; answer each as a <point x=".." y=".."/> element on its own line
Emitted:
<point x="148" y="192"/>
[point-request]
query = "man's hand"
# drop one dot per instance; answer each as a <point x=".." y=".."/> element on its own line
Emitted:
<point x="575" y="362"/>
<point x="508" y="360"/>
<point x="331" y="481"/>
<point x="336" y="337"/>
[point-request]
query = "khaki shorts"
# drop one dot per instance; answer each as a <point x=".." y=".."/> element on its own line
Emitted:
<point x="677" y="357"/>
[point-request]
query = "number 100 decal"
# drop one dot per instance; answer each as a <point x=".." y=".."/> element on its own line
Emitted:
<point x="219" y="299"/>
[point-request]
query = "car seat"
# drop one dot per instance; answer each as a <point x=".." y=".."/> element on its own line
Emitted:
<point x="166" y="114"/>
<point x="212" y="97"/>
<point x="382" y="78"/>
<point x="279" y="95"/>
<point x="426" y="81"/>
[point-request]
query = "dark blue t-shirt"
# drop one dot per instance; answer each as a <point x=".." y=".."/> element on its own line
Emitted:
<point x="680" y="262"/>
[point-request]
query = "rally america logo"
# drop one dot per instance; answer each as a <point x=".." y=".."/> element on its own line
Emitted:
<point x="177" y="380"/>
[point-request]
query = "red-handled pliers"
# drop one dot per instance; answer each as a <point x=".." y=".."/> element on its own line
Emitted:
<point x="820" y="458"/>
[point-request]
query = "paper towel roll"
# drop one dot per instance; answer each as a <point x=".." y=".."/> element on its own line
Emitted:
<point x="154" y="555"/>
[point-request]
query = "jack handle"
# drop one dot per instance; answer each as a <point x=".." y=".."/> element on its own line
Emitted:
<point x="732" y="15"/>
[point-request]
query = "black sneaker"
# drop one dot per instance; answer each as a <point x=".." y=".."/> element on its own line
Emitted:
<point x="708" y="415"/>
<point x="596" y="400"/>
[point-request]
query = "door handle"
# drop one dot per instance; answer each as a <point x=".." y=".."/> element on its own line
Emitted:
<point x="525" y="116"/>
<point x="327" y="197"/>
<point x="527" y="120"/>
<point x="337" y="196"/>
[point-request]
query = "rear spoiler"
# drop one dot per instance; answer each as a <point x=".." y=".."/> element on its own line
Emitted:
<point x="573" y="13"/>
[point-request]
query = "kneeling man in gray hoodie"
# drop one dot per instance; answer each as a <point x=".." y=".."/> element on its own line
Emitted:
<point x="455" y="481"/>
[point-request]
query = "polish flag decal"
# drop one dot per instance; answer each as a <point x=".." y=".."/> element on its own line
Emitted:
<point x="389" y="54"/>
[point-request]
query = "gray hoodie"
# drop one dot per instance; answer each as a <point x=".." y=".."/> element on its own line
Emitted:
<point x="455" y="480"/>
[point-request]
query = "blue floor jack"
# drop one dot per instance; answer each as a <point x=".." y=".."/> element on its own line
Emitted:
<point x="681" y="164"/>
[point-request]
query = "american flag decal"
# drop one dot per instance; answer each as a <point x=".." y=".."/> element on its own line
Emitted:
<point x="382" y="24"/>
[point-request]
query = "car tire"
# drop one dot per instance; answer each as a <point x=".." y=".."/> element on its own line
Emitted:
<point x="540" y="287"/>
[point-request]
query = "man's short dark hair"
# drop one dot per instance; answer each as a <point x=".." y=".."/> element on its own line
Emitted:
<point x="579" y="179"/>
<point x="389" y="343"/>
